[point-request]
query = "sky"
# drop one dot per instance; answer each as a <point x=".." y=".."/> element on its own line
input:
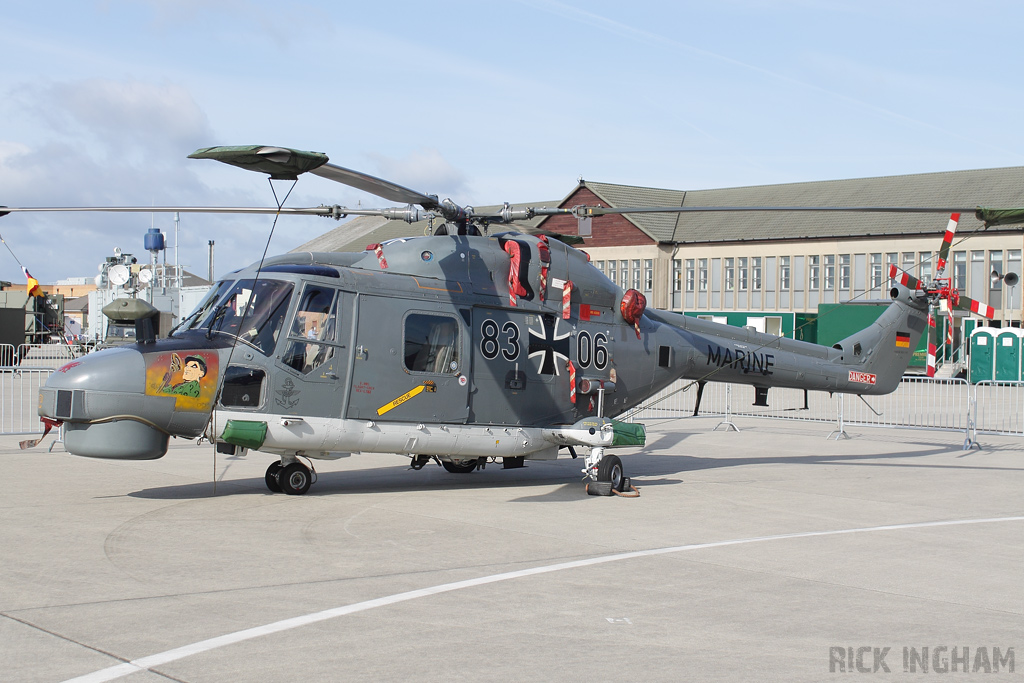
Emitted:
<point x="484" y="102"/>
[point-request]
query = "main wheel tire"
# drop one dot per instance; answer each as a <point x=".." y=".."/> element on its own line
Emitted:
<point x="610" y="470"/>
<point x="271" y="477"/>
<point x="460" y="466"/>
<point x="295" y="479"/>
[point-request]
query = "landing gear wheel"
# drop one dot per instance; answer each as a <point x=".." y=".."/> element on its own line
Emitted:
<point x="460" y="466"/>
<point x="271" y="478"/>
<point x="610" y="470"/>
<point x="294" y="479"/>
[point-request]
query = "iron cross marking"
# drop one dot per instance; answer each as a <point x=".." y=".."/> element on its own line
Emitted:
<point x="547" y="344"/>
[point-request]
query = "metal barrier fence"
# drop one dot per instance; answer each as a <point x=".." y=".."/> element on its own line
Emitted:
<point x="19" y="399"/>
<point x="917" y="403"/>
<point x="999" y="407"/>
<point x="45" y="355"/>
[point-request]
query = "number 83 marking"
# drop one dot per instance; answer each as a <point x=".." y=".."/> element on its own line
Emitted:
<point x="504" y="340"/>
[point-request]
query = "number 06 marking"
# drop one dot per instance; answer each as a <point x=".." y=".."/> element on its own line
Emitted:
<point x="592" y="350"/>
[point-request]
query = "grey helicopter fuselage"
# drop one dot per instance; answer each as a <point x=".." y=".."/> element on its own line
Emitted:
<point x="418" y="348"/>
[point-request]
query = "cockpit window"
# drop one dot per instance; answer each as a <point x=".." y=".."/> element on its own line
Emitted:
<point x="254" y="312"/>
<point x="314" y="330"/>
<point x="203" y="310"/>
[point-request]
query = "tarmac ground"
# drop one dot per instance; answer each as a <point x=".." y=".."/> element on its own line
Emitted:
<point x="770" y="554"/>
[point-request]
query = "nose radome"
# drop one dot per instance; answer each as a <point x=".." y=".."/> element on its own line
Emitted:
<point x="117" y="370"/>
<point x="101" y="399"/>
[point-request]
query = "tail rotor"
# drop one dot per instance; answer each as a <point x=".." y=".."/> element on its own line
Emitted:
<point x="942" y="293"/>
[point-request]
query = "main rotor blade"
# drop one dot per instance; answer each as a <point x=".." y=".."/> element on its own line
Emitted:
<point x="601" y="211"/>
<point x="334" y="211"/>
<point x="281" y="163"/>
<point x="284" y="163"/>
<point x="376" y="186"/>
<point x="305" y="211"/>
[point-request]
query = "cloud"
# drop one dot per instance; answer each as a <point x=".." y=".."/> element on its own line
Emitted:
<point x="113" y="143"/>
<point x="115" y="116"/>
<point x="424" y="170"/>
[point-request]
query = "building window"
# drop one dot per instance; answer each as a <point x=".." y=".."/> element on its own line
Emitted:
<point x="995" y="261"/>
<point x="960" y="269"/>
<point x="784" y="273"/>
<point x="891" y="259"/>
<point x="648" y="275"/>
<point x="636" y="274"/>
<point x="876" y="271"/>
<point x="755" y="273"/>
<point x="691" y="275"/>
<point x="702" y="274"/>
<point x="624" y="274"/>
<point x="730" y="274"/>
<point x="926" y="266"/>
<point x="600" y="266"/>
<point x="830" y="272"/>
<point x="814" y="273"/>
<point x="908" y="263"/>
<point x="677" y="275"/>
<point x="844" y="272"/>
<point x="743" y="283"/>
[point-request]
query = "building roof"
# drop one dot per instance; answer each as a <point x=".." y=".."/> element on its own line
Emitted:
<point x="357" y="233"/>
<point x="79" y="303"/>
<point x="996" y="187"/>
<point x="349" y="232"/>
<point x="999" y="187"/>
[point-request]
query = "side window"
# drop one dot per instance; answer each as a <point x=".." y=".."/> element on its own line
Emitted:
<point x="431" y="343"/>
<point x="314" y="330"/>
<point x="243" y="387"/>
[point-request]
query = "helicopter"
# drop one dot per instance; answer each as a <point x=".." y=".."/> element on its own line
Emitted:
<point x="463" y="347"/>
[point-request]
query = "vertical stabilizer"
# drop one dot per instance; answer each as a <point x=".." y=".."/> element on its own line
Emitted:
<point x="884" y="349"/>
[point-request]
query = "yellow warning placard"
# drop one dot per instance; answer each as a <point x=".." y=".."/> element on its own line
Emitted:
<point x="415" y="391"/>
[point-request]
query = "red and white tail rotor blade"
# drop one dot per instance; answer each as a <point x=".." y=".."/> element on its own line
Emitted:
<point x="931" y="343"/>
<point x="966" y="304"/>
<point x="904" y="278"/>
<point x="947" y="241"/>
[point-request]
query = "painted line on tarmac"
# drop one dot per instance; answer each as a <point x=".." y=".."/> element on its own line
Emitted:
<point x="147" y="663"/>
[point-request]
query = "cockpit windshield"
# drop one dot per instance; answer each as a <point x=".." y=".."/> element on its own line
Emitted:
<point x="203" y="310"/>
<point x="253" y="311"/>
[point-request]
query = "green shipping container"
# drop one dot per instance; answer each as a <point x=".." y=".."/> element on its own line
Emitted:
<point x="838" y="321"/>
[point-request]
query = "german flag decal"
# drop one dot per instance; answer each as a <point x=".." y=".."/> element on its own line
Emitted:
<point x="902" y="340"/>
